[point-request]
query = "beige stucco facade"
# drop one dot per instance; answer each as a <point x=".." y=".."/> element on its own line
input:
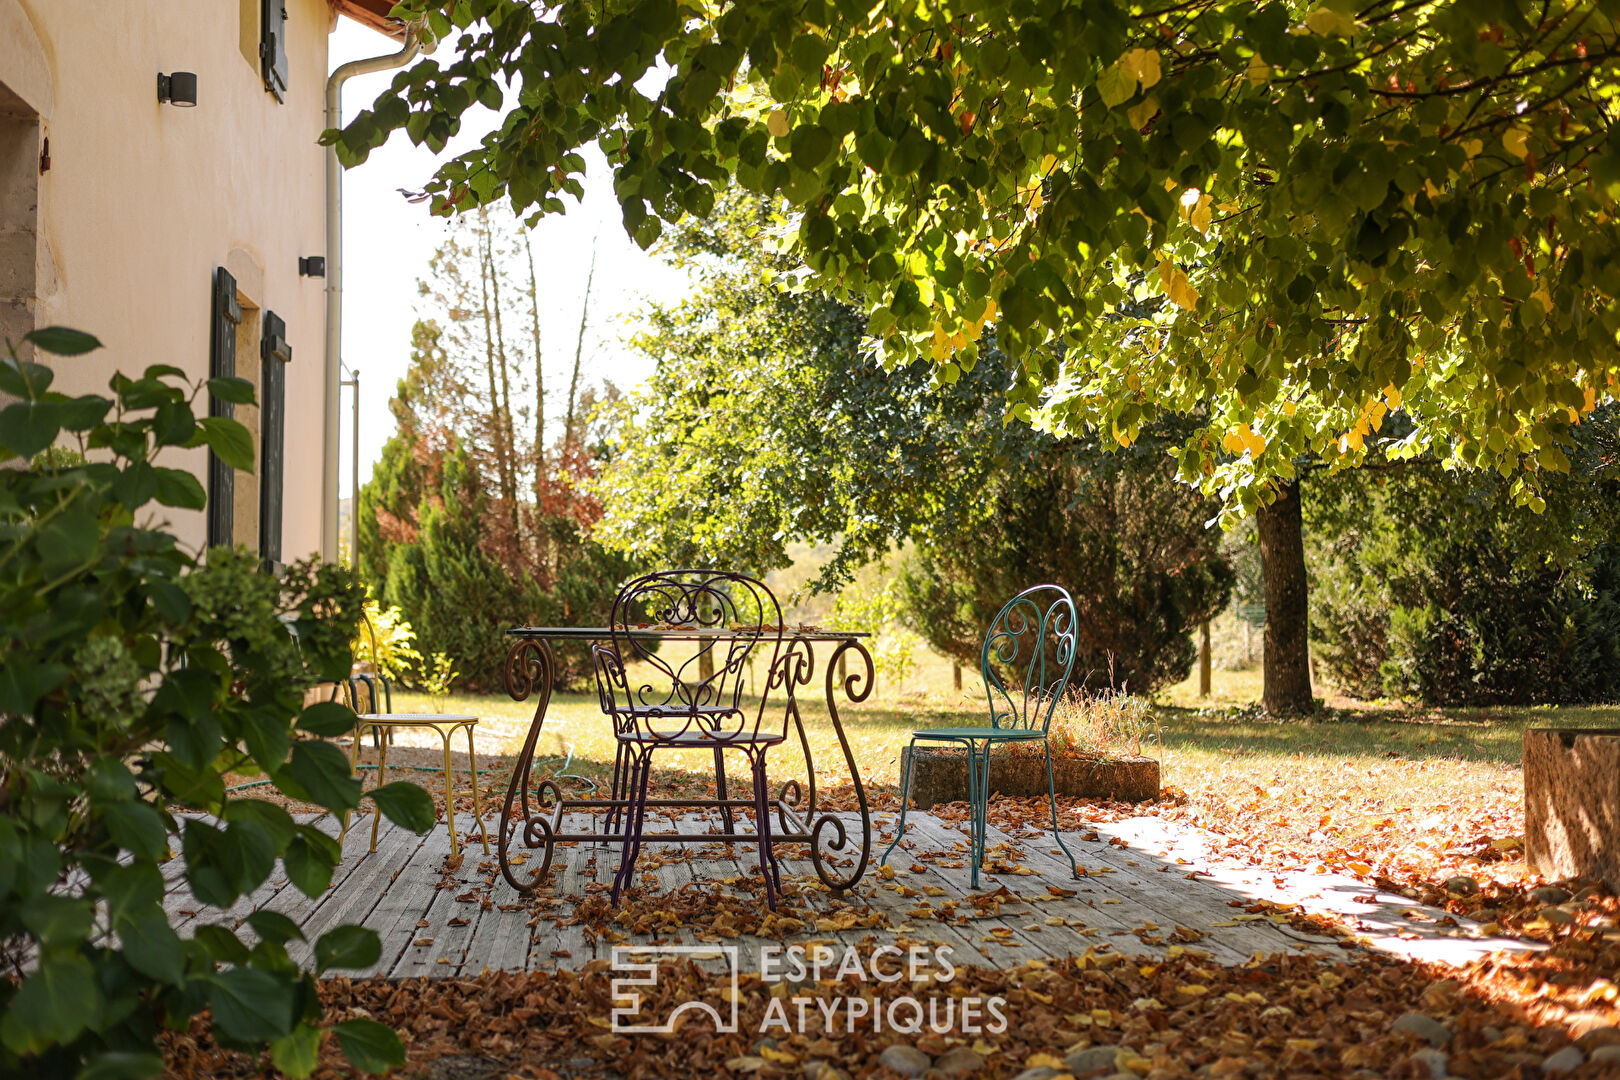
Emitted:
<point x="141" y="201"/>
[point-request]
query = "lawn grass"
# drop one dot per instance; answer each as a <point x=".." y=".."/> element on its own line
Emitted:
<point x="1408" y="792"/>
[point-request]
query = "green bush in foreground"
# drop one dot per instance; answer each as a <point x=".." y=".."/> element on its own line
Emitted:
<point x="132" y="678"/>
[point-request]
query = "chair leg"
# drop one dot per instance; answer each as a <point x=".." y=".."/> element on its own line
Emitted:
<point x="354" y="761"/>
<point x="634" y="821"/>
<point x="1051" y="797"/>
<point x="449" y="796"/>
<point x="978" y="796"/>
<point x="762" y="829"/>
<point x="720" y="790"/>
<point x="382" y="769"/>
<point x="619" y="790"/>
<point x="905" y="797"/>
<point x="478" y="809"/>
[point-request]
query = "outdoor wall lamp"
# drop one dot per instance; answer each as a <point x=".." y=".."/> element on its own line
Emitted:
<point x="178" y="89"/>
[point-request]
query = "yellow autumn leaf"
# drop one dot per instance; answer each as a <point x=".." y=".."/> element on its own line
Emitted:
<point x="1143" y="111"/>
<point x="1254" y="442"/>
<point x="1192" y="990"/>
<point x="1544" y="298"/>
<point x="1173" y="282"/>
<point x="1290" y="408"/>
<point x="1393" y="394"/>
<point x="1258" y="71"/>
<point x="1325" y="21"/>
<point x="1035" y="1061"/>
<point x="1591" y="399"/>
<point x="1360" y="868"/>
<point x="770" y="1053"/>
<point x="1430" y="190"/>
<point x="1197" y="209"/>
<point x="941" y="346"/>
<point x="1473" y="147"/>
<point x="1515" y="140"/>
<point x="777" y="123"/>
<point x="1143" y="64"/>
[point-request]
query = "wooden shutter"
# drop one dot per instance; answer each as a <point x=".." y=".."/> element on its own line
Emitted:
<point x="273" y="47"/>
<point x="275" y="354"/>
<point x="227" y="316"/>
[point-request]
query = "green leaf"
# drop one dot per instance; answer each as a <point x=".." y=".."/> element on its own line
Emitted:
<point x="179" y="489"/>
<point x="405" y="804"/>
<point x="253" y="1006"/>
<point x="223" y="945"/>
<point x="57" y="920"/>
<point x="325" y="775"/>
<point x="228" y="439"/>
<point x="62" y="341"/>
<point x="28" y="427"/>
<point x="309" y="865"/>
<point x="370" y="1047"/>
<point x="153" y="948"/>
<point x="55" y="1003"/>
<point x="352" y="947"/>
<point x="274" y="926"/>
<point x="327" y="718"/>
<point x="267" y="815"/>
<point x="1116" y="84"/>
<point x="121" y="1065"/>
<point x="297" y="1054"/>
<point x="230" y="388"/>
<point x="136" y="828"/>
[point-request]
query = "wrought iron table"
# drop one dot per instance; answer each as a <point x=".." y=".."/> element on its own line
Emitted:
<point x="531" y="670"/>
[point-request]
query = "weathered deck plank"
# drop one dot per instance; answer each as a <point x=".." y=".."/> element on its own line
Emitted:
<point x="407" y="882"/>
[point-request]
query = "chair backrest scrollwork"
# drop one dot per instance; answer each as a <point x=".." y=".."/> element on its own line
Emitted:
<point x="1028" y="657"/>
<point x="654" y="681"/>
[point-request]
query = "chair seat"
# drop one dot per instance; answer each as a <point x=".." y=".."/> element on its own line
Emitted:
<point x="988" y="733"/>
<point x="702" y="740"/>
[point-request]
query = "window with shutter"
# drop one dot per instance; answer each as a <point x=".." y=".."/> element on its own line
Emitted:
<point x="273" y="47"/>
<point x="227" y="315"/>
<point x="275" y="354"/>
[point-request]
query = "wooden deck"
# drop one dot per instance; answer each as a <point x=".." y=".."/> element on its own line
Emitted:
<point x="1148" y="886"/>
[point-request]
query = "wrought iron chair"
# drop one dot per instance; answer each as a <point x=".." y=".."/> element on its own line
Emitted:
<point x="693" y="702"/>
<point x="1026" y="661"/>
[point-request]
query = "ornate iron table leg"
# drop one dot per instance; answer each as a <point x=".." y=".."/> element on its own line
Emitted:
<point x="856" y="688"/>
<point x="529" y="666"/>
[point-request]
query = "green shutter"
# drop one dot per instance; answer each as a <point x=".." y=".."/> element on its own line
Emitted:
<point x="227" y="316"/>
<point x="275" y="354"/>
<point x="273" y="47"/>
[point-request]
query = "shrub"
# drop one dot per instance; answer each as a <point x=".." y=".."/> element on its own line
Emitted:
<point x="1116" y="530"/>
<point x="132" y="678"/>
<point x="1435" y="586"/>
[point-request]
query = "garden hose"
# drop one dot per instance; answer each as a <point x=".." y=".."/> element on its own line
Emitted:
<point x="418" y="768"/>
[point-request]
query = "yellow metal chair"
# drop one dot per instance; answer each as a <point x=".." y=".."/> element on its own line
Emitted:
<point x="382" y="724"/>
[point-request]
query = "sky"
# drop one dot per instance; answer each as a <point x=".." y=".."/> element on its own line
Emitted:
<point x="388" y="241"/>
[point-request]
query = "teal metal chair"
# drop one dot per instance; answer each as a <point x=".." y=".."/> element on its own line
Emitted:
<point x="1026" y="661"/>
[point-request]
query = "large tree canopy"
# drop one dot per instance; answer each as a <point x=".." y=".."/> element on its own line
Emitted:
<point x="1296" y="216"/>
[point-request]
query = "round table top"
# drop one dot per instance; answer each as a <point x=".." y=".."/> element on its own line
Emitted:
<point x="418" y="718"/>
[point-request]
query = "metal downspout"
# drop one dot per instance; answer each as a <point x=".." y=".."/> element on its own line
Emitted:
<point x="334" y="283"/>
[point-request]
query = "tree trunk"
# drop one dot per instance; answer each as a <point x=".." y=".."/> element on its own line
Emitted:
<point x="569" y="435"/>
<point x="1287" y="641"/>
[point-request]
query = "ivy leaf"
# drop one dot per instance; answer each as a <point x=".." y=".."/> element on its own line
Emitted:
<point x="370" y="1047"/>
